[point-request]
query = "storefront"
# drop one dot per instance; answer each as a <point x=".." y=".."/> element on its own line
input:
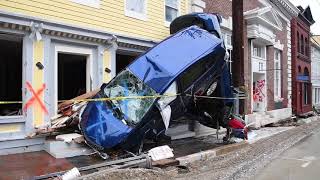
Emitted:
<point x="59" y="62"/>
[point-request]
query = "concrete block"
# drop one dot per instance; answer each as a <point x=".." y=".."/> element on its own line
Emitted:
<point x="202" y="130"/>
<point x="181" y="135"/>
<point x="177" y="128"/>
<point x="60" y="149"/>
<point x="23" y="149"/>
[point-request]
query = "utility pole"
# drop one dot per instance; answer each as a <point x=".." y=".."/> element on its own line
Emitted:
<point x="238" y="48"/>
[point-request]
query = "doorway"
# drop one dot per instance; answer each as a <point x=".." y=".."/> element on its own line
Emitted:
<point x="72" y="75"/>
<point x="259" y="92"/>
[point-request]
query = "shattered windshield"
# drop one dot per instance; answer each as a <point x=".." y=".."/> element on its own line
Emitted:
<point x="127" y="84"/>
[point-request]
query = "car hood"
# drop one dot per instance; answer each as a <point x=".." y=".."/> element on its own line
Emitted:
<point x="101" y="128"/>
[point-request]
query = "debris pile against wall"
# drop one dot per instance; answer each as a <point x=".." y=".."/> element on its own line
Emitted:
<point x="67" y="119"/>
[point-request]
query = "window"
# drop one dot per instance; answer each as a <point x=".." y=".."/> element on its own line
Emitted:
<point x="228" y="40"/>
<point x="298" y="40"/>
<point x="277" y="74"/>
<point x="316" y="99"/>
<point x="306" y="47"/>
<point x="92" y="3"/>
<point x="136" y="9"/>
<point x="301" y="45"/>
<point x="318" y="96"/>
<point x="259" y="51"/>
<point x="11" y="74"/>
<point x="171" y="10"/>
<point x="196" y="71"/>
<point x="305" y="93"/>
<point x="226" y="37"/>
<point x="229" y="60"/>
<point x="260" y="66"/>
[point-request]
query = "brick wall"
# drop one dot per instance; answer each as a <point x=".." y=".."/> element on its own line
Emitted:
<point x="298" y="60"/>
<point x="224" y="7"/>
<point x="270" y="78"/>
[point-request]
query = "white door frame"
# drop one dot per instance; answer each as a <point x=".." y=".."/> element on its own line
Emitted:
<point x="262" y="71"/>
<point x="76" y="50"/>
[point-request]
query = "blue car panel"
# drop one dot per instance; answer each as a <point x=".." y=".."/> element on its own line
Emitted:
<point x="163" y="63"/>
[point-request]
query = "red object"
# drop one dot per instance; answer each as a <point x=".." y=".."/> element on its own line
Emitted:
<point x="236" y="124"/>
<point x="35" y="98"/>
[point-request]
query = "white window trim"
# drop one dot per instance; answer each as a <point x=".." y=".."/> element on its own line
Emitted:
<point x="279" y="83"/>
<point x="167" y="23"/>
<point x="91" y="3"/>
<point x="136" y="15"/>
<point x="61" y="48"/>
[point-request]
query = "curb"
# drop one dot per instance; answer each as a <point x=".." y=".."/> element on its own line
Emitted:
<point x="204" y="155"/>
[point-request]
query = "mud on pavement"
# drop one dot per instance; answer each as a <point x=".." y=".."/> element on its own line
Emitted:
<point x="245" y="163"/>
<point x="241" y="164"/>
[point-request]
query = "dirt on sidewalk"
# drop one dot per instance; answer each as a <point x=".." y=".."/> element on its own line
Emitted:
<point x="242" y="164"/>
<point x="248" y="161"/>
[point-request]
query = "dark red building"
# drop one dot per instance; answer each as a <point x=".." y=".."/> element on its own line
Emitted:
<point x="301" y="62"/>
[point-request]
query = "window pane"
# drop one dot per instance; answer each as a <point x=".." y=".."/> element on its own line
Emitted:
<point x="135" y="5"/>
<point x="305" y="93"/>
<point x="172" y="3"/>
<point x="171" y="14"/>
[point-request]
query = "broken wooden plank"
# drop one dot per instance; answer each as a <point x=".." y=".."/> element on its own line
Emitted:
<point x="83" y="96"/>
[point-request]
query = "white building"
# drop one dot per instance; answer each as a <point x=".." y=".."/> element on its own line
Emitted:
<point x="315" y="70"/>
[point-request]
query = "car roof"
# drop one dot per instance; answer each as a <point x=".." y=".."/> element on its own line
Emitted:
<point x="160" y="66"/>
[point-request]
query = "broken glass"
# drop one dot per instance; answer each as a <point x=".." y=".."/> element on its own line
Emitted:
<point x="128" y="91"/>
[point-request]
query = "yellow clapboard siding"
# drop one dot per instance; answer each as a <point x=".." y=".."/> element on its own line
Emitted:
<point x="38" y="51"/>
<point x="10" y="128"/>
<point x="106" y="63"/>
<point x="95" y="19"/>
<point x="139" y="31"/>
<point x="109" y="17"/>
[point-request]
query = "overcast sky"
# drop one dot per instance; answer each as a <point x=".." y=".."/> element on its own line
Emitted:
<point x="315" y="9"/>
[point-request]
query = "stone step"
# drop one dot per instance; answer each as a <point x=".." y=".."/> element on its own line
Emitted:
<point x="178" y="128"/>
<point x="181" y="135"/>
<point x="61" y="149"/>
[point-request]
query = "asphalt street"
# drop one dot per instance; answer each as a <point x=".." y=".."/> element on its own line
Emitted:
<point x="301" y="161"/>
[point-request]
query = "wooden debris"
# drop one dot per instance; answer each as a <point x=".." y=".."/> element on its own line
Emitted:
<point x="84" y="96"/>
<point x="67" y="117"/>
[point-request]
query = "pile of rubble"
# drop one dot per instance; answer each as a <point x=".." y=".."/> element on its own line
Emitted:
<point x="67" y="118"/>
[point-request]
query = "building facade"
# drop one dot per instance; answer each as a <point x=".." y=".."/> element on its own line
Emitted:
<point x="267" y="56"/>
<point x="301" y="62"/>
<point x="315" y="70"/>
<point x="58" y="49"/>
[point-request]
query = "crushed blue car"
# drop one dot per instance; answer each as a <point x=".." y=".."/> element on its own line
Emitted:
<point x="168" y="82"/>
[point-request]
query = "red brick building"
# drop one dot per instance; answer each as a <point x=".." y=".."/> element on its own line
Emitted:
<point x="267" y="55"/>
<point x="301" y="62"/>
